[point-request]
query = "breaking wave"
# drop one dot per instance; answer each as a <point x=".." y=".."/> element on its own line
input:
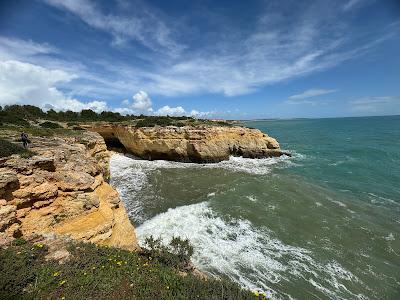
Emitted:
<point x="250" y="256"/>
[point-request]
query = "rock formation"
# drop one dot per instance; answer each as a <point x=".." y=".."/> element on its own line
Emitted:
<point x="200" y="144"/>
<point x="63" y="189"/>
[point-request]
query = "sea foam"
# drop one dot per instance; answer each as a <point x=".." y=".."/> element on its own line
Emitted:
<point x="251" y="256"/>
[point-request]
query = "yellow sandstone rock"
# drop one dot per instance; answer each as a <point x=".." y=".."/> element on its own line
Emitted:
<point x="63" y="190"/>
<point x="191" y="144"/>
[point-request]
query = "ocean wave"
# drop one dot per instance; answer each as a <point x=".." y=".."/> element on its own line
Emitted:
<point x="250" y="256"/>
<point x="129" y="174"/>
<point x="236" y="164"/>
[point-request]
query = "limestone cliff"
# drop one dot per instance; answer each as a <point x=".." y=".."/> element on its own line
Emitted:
<point x="63" y="189"/>
<point x="190" y="144"/>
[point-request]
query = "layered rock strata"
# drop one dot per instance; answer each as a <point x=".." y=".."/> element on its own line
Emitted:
<point x="201" y="144"/>
<point x="63" y="190"/>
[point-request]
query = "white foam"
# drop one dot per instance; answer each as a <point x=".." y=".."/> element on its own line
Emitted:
<point x="250" y="256"/>
<point x="237" y="164"/>
<point x="252" y="198"/>
<point x="390" y="237"/>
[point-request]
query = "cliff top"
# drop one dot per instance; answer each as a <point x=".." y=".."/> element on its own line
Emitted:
<point x="28" y="116"/>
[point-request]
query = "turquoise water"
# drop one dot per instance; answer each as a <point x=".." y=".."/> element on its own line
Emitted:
<point x="323" y="224"/>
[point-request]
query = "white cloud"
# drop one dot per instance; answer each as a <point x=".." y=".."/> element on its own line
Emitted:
<point x="377" y="105"/>
<point x="311" y="93"/>
<point x="25" y="83"/>
<point x="142" y="104"/>
<point x="230" y="64"/>
<point x="11" y="48"/>
<point x="143" y="27"/>
<point x="350" y="4"/>
<point x="171" y="111"/>
<point x="141" y="101"/>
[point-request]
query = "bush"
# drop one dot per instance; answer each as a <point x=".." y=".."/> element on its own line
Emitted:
<point x="50" y="125"/>
<point x="9" y="119"/>
<point x="153" y="121"/>
<point x="7" y="148"/>
<point x="176" y="254"/>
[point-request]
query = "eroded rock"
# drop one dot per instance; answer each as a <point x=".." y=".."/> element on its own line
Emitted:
<point x="63" y="190"/>
<point x="200" y="144"/>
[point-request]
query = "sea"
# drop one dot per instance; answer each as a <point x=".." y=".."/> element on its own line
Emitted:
<point x="321" y="224"/>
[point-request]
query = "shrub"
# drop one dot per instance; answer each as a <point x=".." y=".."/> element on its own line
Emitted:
<point x="176" y="254"/>
<point x="7" y="148"/>
<point x="50" y="125"/>
<point x="152" y="121"/>
<point x="6" y="118"/>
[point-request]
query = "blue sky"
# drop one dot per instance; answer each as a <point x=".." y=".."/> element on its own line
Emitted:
<point x="215" y="59"/>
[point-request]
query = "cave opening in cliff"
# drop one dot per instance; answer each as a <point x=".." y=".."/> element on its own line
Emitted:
<point x="114" y="144"/>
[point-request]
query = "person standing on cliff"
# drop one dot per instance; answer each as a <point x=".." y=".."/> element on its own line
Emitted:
<point x="25" y="140"/>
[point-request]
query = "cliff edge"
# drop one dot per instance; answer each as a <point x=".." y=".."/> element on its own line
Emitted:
<point x="63" y="189"/>
<point x="200" y="144"/>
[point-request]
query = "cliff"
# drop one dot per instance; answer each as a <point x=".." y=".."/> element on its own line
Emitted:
<point x="63" y="189"/>
<point x="201" y="144"/>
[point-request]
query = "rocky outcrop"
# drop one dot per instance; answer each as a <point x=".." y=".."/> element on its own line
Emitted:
<point x="200" y="144"/>
<point x="63" y="190"/>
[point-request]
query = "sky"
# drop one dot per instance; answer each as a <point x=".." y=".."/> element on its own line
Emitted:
<point x="228" y="59"/>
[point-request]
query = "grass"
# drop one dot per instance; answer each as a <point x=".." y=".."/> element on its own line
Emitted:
<point x="7" y="148"/>
<point x="96" y="272"/>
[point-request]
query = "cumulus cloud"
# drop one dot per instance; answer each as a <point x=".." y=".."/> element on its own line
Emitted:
<point x="180" y="111"/>
<point x="311" y="93"/>
<point x="25" y="83"/>
<point x="142" y="104"/>
<point x="171" y="111"/>
<point x="141" y="101"/>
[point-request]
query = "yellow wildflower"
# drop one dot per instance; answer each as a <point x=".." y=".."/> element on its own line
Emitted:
<point x="119" y="263"/>
<point x="56" y="274"/>
<point x="62" y="282"/>
<point x="39" y="245"/>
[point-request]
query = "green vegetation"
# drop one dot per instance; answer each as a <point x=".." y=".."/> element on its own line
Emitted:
<point x="50" y="125"/>
<point x="7" y="148"/>
<point x="28" y="115"/>
<point x="95" y="272"/>
<point x="151" y="121"/>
